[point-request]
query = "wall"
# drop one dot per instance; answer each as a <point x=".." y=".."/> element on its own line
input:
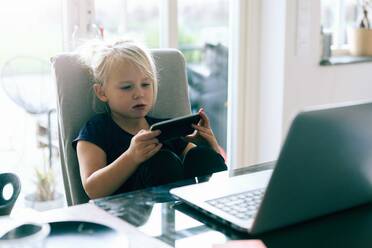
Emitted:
<point x="307" y="83"/>
<point x="304" y="82"/>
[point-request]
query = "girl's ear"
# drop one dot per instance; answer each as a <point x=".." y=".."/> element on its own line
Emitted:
<point x="100" y="92"/>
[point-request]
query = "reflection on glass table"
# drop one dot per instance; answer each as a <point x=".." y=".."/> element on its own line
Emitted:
<point x="158" y="214"/>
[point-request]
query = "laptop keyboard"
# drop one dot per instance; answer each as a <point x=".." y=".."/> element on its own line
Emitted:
<point x="243" y="205"/>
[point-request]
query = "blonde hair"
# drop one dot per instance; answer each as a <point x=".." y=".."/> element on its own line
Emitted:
<point x="100" y="57"/>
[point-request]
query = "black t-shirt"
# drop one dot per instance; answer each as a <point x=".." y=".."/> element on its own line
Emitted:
<point x="102" y="131"/>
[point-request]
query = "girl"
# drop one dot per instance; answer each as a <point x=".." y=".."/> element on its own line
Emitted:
<point x="116" y="151"/>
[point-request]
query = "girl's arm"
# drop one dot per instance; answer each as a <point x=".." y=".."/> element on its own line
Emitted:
<point x="100" y="179"/>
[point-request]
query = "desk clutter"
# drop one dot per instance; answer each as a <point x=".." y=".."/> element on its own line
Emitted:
<point x="54" y="234"/>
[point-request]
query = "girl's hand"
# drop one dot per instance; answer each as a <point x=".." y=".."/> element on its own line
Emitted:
<point x="203" y="133"/>
<point x="144" y="145"/>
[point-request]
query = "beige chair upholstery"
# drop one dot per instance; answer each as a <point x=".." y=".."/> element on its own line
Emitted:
<point x="74" y="106"/>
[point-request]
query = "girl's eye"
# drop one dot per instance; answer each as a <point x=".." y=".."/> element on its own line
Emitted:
<point x="126" y="87"/>
<point x="145" y="84"/>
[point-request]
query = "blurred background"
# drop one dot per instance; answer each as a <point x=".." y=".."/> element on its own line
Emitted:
<point x="34" y="31"/>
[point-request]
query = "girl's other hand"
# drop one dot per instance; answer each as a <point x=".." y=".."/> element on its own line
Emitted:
<point x="203" y="133"/>
<point x="144" y="145"/>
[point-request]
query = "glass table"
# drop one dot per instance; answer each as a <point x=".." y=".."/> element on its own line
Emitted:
<point x="158" y="214"/>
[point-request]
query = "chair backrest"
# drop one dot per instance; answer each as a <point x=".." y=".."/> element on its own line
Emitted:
<point x="75" y="108"/>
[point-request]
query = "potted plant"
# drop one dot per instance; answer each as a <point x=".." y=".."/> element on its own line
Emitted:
<point x="45" y="195"/>
<point x="361" y="37"/>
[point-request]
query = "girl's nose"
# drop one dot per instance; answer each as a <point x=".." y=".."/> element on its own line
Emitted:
<point x="138" y="93"/>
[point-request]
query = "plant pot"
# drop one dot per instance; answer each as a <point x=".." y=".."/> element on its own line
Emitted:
<point x="57" y="202"/>
<point x="360" y="40"/>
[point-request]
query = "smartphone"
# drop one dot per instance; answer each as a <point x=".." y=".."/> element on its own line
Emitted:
<point x="176" y="128"/>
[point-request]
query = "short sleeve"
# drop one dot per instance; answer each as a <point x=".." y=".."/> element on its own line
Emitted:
<point x="93" y="132"/>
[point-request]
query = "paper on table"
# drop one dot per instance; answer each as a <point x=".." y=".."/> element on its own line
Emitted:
<point x="253" y="243"/>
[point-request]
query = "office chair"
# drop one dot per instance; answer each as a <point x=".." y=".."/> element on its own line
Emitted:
<point x="75" y="108"/>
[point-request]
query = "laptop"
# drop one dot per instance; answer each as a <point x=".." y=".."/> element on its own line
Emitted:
<point x="324" y="166"/>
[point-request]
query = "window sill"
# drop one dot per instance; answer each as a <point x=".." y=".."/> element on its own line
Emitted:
<point x="344" y="60"/>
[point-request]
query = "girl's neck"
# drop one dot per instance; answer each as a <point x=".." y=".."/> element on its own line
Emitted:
<point x="130" y="125"/>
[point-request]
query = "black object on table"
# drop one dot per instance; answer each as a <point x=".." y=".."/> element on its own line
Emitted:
<point x="6" y="204"/>
<point x="83" y="234"/>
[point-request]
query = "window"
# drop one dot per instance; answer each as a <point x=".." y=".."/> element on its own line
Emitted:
<point x="203" y="39"/>
<point x="337" y="17"/>
<point x="129" y="19"/>
<point x="31" y="35"/>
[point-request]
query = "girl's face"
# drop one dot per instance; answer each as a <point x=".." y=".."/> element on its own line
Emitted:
<point x="127" y="91"/>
